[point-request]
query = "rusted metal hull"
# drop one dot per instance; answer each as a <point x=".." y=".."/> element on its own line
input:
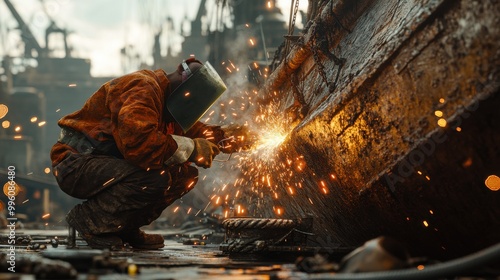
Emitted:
<point x="403" y="142"/>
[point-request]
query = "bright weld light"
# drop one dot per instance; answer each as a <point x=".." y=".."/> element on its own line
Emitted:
<point x="269" y="141"/>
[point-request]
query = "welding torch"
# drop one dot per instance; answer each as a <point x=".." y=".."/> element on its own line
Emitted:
<point x="239" y="139"/>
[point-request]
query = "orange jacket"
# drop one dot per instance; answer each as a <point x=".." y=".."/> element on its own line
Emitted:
<point x="130" y="110"/>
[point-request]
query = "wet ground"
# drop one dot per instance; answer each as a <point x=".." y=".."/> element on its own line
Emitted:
<point x="181" y="258"/>
<point x="188" y="254"/>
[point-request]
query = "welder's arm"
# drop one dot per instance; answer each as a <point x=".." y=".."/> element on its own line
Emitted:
<point x="229" y="138"/>
<point x="185" y="147"/>
<point x="213" y="133"/>
<point x="200" y="151"/>
<point x="204" y="152"/>
<point x="137" y="111"/>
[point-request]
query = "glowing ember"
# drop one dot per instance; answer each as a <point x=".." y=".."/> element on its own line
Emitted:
<point x="442" y="122"/>
<point x="438" y="114"/>
<point x="492" y="182"/>
<point x="3" y="110"/>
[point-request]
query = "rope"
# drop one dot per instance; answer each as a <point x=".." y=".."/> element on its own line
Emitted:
<point x="255" y="244"/>
<point x="245" y="223"/>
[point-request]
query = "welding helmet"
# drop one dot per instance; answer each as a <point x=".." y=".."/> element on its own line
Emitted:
<point x="191" y="100"/>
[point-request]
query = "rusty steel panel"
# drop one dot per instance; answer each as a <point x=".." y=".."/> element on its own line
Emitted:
<point x="404" y="144"/>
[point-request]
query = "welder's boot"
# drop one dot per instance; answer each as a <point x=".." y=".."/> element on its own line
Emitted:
<point x="95" y="241"/>
<point x="141" y="240"/>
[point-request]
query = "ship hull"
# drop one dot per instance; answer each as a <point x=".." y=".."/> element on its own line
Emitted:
<point x="402" y="142"/>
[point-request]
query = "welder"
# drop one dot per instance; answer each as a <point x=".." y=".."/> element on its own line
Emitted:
<point x="133" y="148"/>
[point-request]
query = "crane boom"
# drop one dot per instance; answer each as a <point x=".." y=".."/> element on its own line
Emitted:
<point x="30" y="42"/>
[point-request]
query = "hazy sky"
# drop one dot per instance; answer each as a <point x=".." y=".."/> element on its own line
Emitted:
<point x="100" y="28"/>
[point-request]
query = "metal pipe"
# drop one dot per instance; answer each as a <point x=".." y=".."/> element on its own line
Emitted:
<point x="71" y="237"/>
<point x="299" y="53"/>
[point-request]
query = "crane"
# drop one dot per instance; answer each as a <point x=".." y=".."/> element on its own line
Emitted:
<point x="30" y="42"/>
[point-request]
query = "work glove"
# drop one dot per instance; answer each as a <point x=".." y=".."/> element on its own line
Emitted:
<point x="236" y="138"/>
<point x="203" y="153"/>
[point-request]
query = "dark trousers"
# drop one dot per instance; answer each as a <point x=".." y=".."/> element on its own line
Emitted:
<point x="120" y="196"/>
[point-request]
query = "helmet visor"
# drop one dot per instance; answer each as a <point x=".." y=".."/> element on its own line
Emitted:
<point x="191" y="100"/>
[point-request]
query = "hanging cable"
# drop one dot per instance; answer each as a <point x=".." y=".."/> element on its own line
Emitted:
<point x="441" y="270"/>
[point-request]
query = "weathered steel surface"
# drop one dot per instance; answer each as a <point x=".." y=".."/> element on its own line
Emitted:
<point x="397" y="172"/>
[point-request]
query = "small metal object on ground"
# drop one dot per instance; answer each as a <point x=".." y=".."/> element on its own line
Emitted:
<point x="71" y="237"/>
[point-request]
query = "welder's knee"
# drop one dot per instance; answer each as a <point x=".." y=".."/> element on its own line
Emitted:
<point x="148" y="184"/>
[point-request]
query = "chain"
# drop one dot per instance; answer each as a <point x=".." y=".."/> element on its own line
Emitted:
<point x="291" y="23"/>
<point x="296" y="91"/>
<point x="291" y="27"/>
<point x="315" y="51"/>
<point x="277" y="57"/>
